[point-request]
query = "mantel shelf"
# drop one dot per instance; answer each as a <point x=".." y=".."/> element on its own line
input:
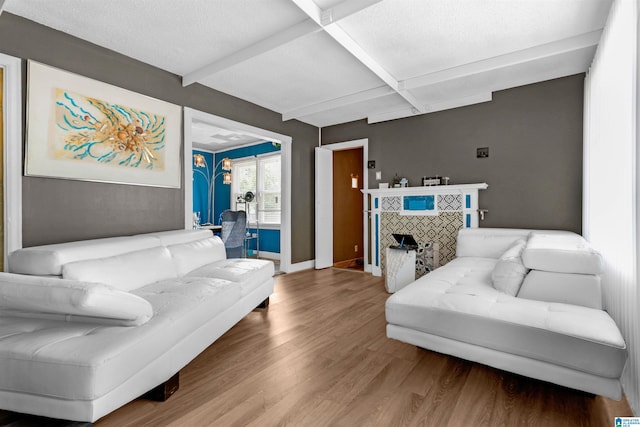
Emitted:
<point x="432" y="189"/>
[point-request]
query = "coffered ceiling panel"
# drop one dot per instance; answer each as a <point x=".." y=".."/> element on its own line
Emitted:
<point x="305" y="71"/>
<point x="410" y="38"/>
<point x="177" y="36"/>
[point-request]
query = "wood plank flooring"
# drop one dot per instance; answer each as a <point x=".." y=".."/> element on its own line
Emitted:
<point x="319" y="357"/>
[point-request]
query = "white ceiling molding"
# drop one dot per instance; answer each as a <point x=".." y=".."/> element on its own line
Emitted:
<point x="431" y="108"/>
<point x="354" y="98"/>
<point x="514" y="58"/>
<point x="302" y="29"/>
<point x="339" y="35"/>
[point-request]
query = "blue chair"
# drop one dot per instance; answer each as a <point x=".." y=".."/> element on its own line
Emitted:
<point x="234" y="227"/>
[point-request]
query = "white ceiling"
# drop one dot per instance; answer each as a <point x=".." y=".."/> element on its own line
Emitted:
<point x="210" y="137"/>
<point x="325" y="62"/>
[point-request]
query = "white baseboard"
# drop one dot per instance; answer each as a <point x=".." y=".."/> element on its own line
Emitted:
<point x="269" y="255"/>
<point x="299" y="266"/>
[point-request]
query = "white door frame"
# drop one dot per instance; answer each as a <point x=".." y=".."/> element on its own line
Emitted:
<point x="12" y="121"/>
<point x="285" y="151"/>
<point x="364" y="144"/>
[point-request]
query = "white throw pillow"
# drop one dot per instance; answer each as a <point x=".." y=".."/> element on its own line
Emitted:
<point x="509" y="272"/>
<point x="126" y="272"/>
<point x="69" y="300"/>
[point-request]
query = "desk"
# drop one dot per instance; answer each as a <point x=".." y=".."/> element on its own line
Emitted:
<point x="213" y="228"/>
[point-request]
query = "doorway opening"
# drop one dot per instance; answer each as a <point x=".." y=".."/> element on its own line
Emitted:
<point x="348" y="234"/>
<point x="216" y="138"/>
<point x="331" y="211"/>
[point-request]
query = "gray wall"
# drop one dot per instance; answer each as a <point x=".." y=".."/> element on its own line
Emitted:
<point x="534" y="135"/>
<point x="59" y="210"/>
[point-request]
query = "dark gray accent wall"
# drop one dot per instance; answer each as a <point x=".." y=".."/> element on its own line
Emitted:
<point x="57" y="210"/>
<point x="534" y="168"/>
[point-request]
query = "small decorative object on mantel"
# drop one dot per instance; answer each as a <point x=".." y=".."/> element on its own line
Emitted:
<point x="429" y="181"/>
<point x="404" y="182"/>
<point x="396" y="181"/>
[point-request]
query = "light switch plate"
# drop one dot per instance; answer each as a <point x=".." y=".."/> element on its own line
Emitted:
<point x="378" y="175"/>
<point x="482" y="152"/>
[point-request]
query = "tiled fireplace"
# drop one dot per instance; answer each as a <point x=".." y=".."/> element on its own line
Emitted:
<point x="431" y="214"/>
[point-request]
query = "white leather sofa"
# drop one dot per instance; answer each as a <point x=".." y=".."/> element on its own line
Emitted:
<point x="86" y="327"/>
<point x="523" y="301"/>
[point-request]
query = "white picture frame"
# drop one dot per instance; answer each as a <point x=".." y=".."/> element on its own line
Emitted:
<point x="83" y="129"/>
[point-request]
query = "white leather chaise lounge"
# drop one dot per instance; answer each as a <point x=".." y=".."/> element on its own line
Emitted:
<point x="88" y="326"/>
<point x="544" y="321"/>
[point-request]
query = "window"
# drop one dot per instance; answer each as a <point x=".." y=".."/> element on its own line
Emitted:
<point x="261" y="176"/>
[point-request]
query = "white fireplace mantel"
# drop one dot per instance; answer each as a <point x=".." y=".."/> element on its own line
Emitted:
<point x="425" y="190"/>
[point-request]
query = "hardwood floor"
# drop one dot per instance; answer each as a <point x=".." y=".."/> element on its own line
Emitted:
<point x="319" y="357"/>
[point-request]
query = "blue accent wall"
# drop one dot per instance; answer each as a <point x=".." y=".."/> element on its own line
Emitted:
<point x="200" y="186"/>
<point x="269" y="239"/>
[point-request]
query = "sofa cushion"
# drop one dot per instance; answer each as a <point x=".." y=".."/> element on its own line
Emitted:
<point x="48" y="260"/>
<point x="578" y="289"/>
<point x="457" y="302"/>
<point x="562" y="253"/>
<point x="487" y="243"/>
<point x="509" y="272"/>
<point x="67" y="300"/>
<point x="189" y="256"/>
<point x="249" y="273"/>
<point x="126" y="271"/>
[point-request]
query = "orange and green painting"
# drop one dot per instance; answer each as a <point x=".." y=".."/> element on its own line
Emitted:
<point x="92" y="130"/>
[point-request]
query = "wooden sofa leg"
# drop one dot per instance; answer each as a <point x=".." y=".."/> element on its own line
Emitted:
<point x="264" y="304"/>
<point x="165" y="390"/>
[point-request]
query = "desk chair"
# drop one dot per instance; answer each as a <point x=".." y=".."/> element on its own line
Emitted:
<point x="234" y="227"/>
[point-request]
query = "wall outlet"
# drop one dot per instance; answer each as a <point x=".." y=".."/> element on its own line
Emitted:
<point x="482" y="152"/>
<point x="355" y="248"/>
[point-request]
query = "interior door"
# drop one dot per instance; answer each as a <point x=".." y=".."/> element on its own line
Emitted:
<point x="324" y="208"/>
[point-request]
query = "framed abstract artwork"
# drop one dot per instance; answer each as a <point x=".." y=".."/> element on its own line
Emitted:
<point x="80" y="128"/>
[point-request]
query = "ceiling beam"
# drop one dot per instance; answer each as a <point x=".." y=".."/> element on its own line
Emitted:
<point x="308" y="26"/>
<point x="513" y="58"/>
<point x="331" y="104"/>
<point x="301" y="29"/>
<point x="338" y="34"/>
<point x="344" y="9"/>
<point x="431" y="108"/>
